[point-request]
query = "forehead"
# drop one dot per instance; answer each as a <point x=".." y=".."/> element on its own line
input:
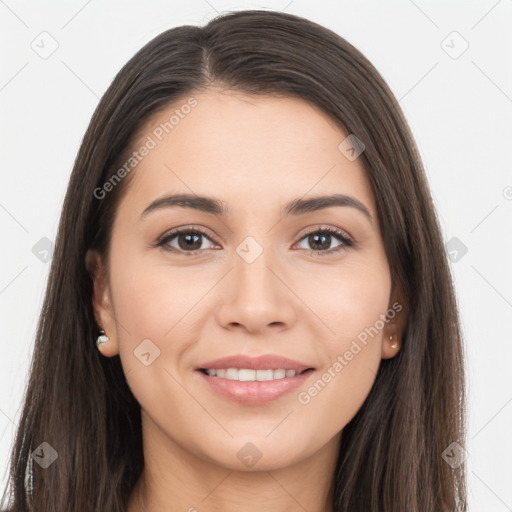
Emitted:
<point x="249" y="151"/>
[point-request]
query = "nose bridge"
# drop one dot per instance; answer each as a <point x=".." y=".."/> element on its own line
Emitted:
<point x="255" y="297"/>
<point x="251" y="266"/>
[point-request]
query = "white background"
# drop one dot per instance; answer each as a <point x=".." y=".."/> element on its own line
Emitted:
<point x="460" y="111"/>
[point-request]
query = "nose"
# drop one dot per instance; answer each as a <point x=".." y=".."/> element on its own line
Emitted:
<point x="255" y="296"/>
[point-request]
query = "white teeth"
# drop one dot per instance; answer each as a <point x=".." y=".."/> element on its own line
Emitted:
<point x="266" y="375"/>
<point x="281" y="374"/>
<point x="247" y="375"/>
<point x="231" y="374"/>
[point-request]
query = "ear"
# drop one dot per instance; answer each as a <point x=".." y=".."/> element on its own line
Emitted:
<point x="395" y="326"/>
<point x="101" y="302"/>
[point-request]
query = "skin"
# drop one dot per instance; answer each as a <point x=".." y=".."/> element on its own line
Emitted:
<point x="255" y="154"/>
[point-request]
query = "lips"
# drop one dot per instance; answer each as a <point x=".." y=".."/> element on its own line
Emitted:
<point x="264" y="362"/>
<point x="249" y="391"/>
<point x="255" y="393"/>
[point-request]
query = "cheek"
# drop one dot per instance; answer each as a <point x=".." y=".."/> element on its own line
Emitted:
<point x="156" y="308"/>
<point x="151" y="298"/>
<point x="351" y="306"/>
<point x="151" y="294"/>
<point x="360" y="308"/>
<point x="349" y="302"/>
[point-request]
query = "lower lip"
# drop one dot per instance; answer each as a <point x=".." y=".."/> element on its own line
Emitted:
<point x="255" y="392"/>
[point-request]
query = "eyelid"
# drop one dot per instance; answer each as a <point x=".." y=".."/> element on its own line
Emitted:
<point x="327" y="227"/>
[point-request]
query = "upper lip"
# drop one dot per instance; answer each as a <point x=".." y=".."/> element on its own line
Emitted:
<point x="269" y="361"/>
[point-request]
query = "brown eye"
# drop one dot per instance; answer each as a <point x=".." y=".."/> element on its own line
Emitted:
<point x="321" y="239"/>
<point x="187" y="240"/>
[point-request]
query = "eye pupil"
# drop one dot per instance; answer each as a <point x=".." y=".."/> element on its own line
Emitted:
<point x="314" y="239"/>
<point x="188" y="237"/>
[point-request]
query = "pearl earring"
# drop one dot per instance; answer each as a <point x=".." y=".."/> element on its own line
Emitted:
<point x="102" y="338"/>
<point x="395" y="344"/>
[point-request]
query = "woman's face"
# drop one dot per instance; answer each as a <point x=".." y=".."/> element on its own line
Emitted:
<point x="245" y="282"/>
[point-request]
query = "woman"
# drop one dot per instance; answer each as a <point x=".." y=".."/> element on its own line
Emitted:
<point x="249" y="304"/>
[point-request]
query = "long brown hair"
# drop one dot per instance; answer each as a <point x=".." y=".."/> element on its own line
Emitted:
<point x="391" y="452"/>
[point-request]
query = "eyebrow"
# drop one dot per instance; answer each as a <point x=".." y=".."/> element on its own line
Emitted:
<point x="296" y="207"/>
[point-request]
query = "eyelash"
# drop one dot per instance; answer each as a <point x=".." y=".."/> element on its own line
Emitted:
<point x="337" y="233"/>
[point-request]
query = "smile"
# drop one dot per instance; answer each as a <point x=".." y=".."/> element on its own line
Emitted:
<point x="248" y="375"/>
